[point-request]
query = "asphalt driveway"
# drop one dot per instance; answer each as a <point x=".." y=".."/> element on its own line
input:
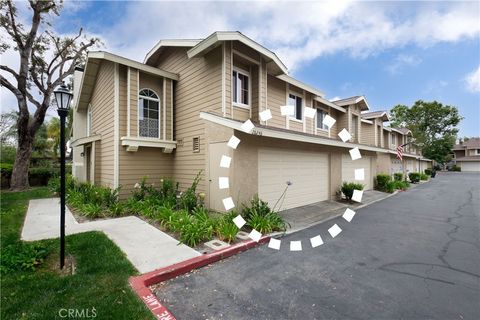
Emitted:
<point x="415" y="255"/>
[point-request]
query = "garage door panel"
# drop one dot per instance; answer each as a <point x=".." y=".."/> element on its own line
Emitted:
<point x="348" y="170"/>
<point x="470" y="166"/>
<point x="308" y="172"/>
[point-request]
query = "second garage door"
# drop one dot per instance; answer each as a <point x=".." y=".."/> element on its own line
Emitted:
<point x="307" y="171"/>
<point x="396" y="166"/>
<point x="348" y="170"/>
<point x="473" y="166"/>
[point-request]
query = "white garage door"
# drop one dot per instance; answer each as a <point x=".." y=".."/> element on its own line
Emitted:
<point x="410" y="166"/>
<point x="473" y="166"/>
<point x="308" y="172"/>
<point x="348" y="170"/>
<point x="397" y="166"/>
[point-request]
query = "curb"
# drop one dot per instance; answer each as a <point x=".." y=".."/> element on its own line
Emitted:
<point x="141" y="283"/>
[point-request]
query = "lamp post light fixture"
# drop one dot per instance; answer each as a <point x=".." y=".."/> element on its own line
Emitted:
<point x="63" y="96"/>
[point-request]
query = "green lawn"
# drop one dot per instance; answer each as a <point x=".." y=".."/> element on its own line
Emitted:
<point x="100" y="282"/>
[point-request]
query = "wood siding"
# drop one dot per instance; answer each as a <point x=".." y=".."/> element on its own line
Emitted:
<point x="198" y="89"/>
<point x="102" y="104"/>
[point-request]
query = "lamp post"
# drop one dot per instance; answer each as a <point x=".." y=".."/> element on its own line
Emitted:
<point x="63" y="97"/>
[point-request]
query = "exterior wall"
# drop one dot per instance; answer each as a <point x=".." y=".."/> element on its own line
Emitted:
<point x="102" y="104"/>
<point x="368" y="134"/>
<point x="150" y="163"/>
<point x="383" y="163"/>
<point x="459" y="153"/>
<point x="276" y="96"/>
<point x="199" y="89"/>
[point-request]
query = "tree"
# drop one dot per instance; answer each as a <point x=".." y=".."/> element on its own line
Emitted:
<point x="53" y="133"/>
<point x="8" y="130"/>
<point x="45" y="61"/>
<point x="433" y="125"/>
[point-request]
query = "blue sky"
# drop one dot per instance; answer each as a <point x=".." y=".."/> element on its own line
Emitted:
<point x="391" y="52"/>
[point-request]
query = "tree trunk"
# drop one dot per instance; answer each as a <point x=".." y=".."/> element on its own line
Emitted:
<point x="19" y="180"/>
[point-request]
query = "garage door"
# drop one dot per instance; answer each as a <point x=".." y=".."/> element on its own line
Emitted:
<point x="308" y="172"/>
<point x="410" y="166"/>
<point x="473" y="166"/>
<point x="348" y="170"/>
<point x="396" y="166"/>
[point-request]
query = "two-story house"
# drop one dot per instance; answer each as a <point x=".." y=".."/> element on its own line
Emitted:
<point x="173" y="115"/>
<point x="466" y="155"/>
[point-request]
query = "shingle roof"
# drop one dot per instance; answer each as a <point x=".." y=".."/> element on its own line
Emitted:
<point x="353" y="100"/>
<point x="376" y="114"/>
<point x="468" y="158"/>
<point x="473" y="143"/>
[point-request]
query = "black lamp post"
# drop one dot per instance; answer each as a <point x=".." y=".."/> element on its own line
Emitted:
<point x="63" y="97"/>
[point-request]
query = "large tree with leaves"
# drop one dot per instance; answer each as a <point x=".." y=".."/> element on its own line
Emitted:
<point x="433" y="125"/>
<point x="45" y="61"/>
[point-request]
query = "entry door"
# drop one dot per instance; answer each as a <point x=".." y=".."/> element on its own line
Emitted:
<point x="215" y="194"/>
<point x="88" y="163"/>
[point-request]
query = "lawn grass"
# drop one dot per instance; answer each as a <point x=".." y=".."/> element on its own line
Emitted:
<point x="100" y="281"/>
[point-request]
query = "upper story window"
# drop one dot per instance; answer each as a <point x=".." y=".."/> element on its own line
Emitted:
<point x="296" y="102"/>
<point x="394" y="139"/>
<point x="241" y="88"/>
<point x="320" y="116"/>
<point x="354" y="126"/>
<point x="89" y="120"/>
<point x="148" y="114"/>
<point x="478" y="151"/>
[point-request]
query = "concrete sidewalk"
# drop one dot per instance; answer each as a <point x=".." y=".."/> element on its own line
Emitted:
<point x="307" y="216"/>
<point x="145" y="246"/>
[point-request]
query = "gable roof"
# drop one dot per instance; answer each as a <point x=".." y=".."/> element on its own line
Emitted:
<point x="162" y="44"/>
<point x="376" y="114"/>
<point x="215" y="38"/>
<point x="353" y="100"/>
<point x="403" y="131"/>
<point x="94" y="59"/>
<point x="473" y="143"/>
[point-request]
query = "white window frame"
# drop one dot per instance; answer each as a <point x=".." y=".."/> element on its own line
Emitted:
<point x="158" y="99"/>
<point x="294" y="116"/>
<point x="89" y="120"/>
<point x="323" y="127"/>
<point x="245" y="74"/>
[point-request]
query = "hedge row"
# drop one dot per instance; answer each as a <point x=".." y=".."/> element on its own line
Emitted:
<point x="37" y="176"/>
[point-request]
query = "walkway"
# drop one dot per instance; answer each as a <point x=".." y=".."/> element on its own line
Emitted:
<point x="145" y="246"/>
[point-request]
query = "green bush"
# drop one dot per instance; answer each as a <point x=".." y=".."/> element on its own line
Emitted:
<point x="428" y="171"/>
<point x="22" y="256"/>
<point x="188" y="198"/>
<point x="6" y="174"/>
<point x="414" y="177"/>
<point x="398" y="176"/>
<point x="423" y="177"/>
<point x="7" y="154"/>
<point x="348" y="187"/>
<point x="456" y="168"/>
<point x="257" y="206"/>
<point x="226" y="230"/>
<point x="382" y="181"/>
<point x="401" y="185"/>
<point x="390" y="187"/>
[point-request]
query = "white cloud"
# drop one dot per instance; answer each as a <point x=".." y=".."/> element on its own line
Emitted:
<point x="401" y="61"/>
<point x="472" y="81"/>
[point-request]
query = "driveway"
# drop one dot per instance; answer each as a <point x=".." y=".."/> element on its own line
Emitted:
<point x="412" y="256"/>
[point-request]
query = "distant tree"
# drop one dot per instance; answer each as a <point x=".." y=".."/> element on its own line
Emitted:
<point x="8" y="130"/>
<point x="53" y="134"/>
<point x="433" y="125"/>
<point x="45" y="61"/>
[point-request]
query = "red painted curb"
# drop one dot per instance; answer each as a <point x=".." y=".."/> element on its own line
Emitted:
<point x="141" y="283"/>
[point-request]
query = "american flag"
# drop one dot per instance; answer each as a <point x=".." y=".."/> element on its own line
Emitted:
<point x="400" y="152"/>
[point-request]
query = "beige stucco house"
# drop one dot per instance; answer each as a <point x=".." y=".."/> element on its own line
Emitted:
<point x="466" y="155"/>
<point x="173" y="114"/>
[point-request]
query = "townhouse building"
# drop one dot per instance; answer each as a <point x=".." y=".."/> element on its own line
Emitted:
<point x="173" y="115"/>
<point x="466" y="155"/>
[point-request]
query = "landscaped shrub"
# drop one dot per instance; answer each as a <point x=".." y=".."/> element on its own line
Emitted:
<point x="22" y="256"/>
<point x="423" y="177"/>
<point x="456" y="168"/>
<point x="398" y="176"/>
<point x="428" y="172"/>
<point x="257" y="206"/>
<point x="348" y="187"/>
<point x="188" y="198"/>
<point x="261" y="217"/>
<point x="414" y="177"/>
<point x="401" y="185"/>
<point x="390" y="187"/>
<point x="382" y="181"/>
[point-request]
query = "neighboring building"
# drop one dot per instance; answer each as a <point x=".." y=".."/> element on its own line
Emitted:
<point x="466" y="155"/>
<point x="172" y="116"/>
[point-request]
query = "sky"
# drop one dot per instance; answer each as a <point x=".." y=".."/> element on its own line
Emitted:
<point x="391" y="52"/>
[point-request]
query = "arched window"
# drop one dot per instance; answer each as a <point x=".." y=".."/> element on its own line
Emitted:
<point x="148" y="114"/>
